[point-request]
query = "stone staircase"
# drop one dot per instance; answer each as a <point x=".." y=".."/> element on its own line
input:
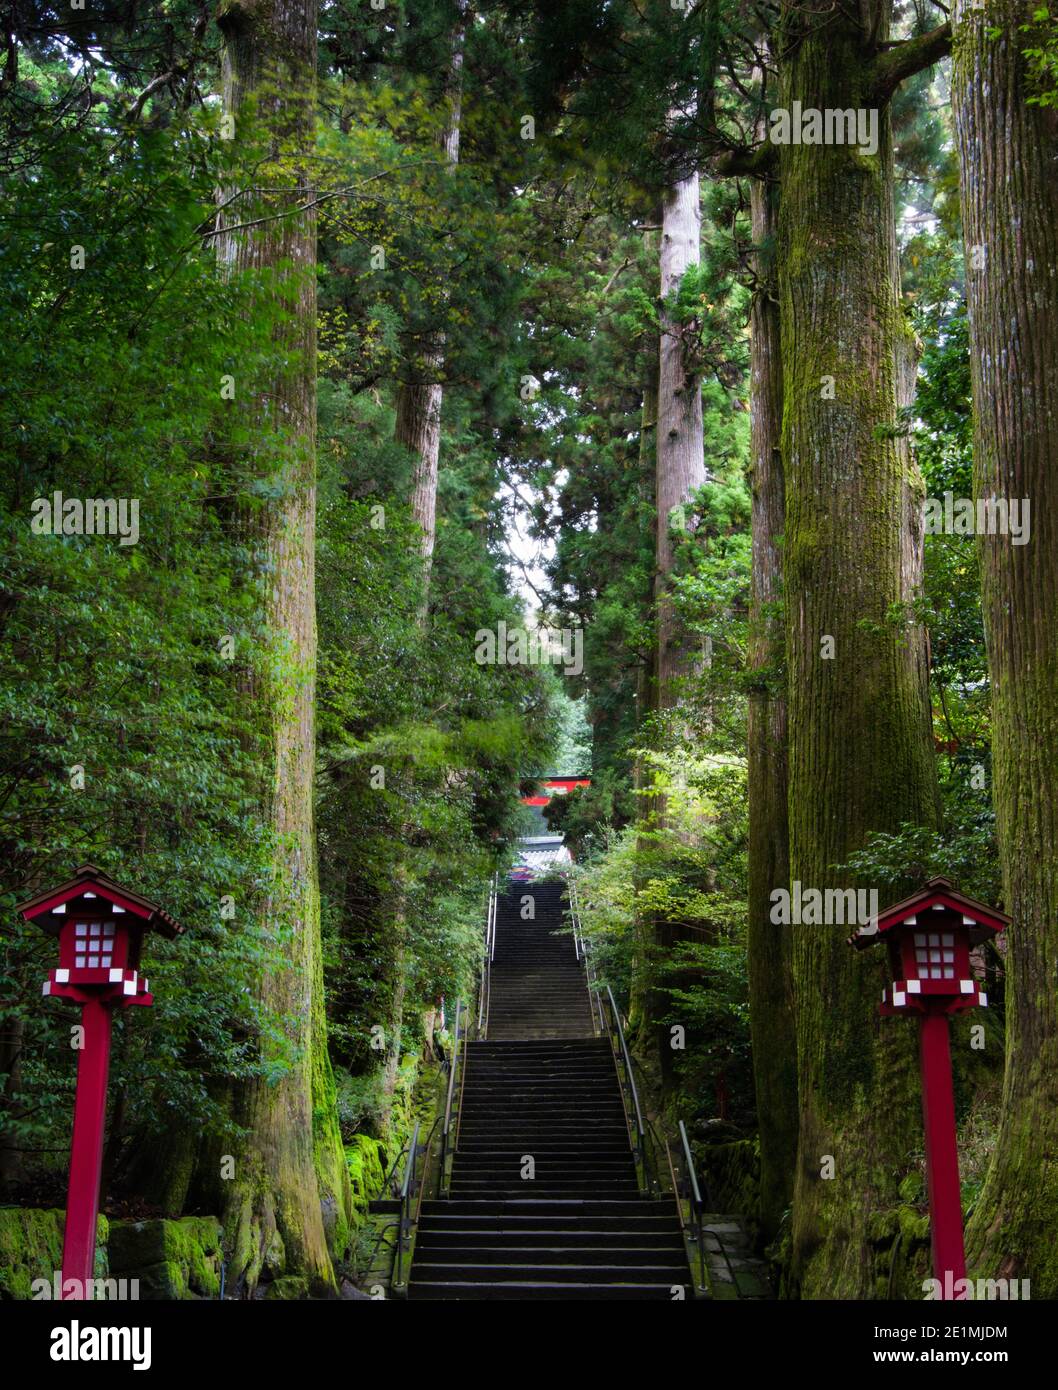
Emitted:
<point x="544" y="1202"/>
<point x="538" y="988"/>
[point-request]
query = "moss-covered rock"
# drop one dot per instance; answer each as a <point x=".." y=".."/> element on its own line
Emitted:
<point x="31" y="1248"/>
<point x="289" y="1287"/>
<point x="366" y="1159"/>
<point x="731" y="1176"/>
<point x="171" y="1259"/>
<point x="899" y="1237"/>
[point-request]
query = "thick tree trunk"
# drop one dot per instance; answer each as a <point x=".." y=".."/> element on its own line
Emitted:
<point x="290" y="1182"/>
<point x="860" y="751"/>
<point x="680" y="447"/>
<point x="680" y="471"/>
<point x="770" y="968"/>
<point x="419" y="430"/>
<point x="1010" y="223"/>
<point x="419" y="400"/>
<point x="11" y="1040"/>
<point x="640" y="1004"/>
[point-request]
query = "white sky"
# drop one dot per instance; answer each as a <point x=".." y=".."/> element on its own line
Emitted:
<point x="527" y="556"/>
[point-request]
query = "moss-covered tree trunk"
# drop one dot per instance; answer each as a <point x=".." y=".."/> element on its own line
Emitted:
<point x="11" y="1042"/>
<point x="289" y="1183"/>
<point x="640" y="1003"/>
<point x="1010" y="223"/>
<point x="860" y="750"/>
<point x="770" y="971"/>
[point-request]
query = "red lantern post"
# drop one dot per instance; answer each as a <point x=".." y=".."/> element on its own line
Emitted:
<point x="100" y="927"/>
<point x="929" y="937"/>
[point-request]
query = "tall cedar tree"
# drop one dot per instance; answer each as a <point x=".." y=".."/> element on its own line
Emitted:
<point x="291" y="1166"/>
<point x="680" y="459"/>
<point x="770" y="976"/>
<point x="418" y="428"/>
<point x="679" y="434"/>
<point x="1006" y="150"/>
<point x="419" y="399"/>
<point x="860" y="747"/>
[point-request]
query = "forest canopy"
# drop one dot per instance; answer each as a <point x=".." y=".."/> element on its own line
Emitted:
<point x="675" y="335"/>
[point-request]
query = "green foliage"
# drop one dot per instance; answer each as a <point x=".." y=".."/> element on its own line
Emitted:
<point x="965" y="853"/>
<point x="573" y="753"/>
<point x="950" y="604"/>
<point x="686" y="871"/>
<point x="1042" y="56"/>
<point x="111" y="658"/>
<point x="420" y="751"/>
<point x="533" y="261"/>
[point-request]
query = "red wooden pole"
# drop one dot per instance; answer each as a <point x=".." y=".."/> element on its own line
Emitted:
<point x="86" y="1150"/>
<point x="942" y="1154"/>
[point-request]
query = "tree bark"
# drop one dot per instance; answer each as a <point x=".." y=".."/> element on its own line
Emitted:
<point x="419" y="400"/>
<point x="11" y="1042"/>
<point x="860" y="748"/>
<point x="418" y="428"/>
<point x="770" y="969"/>
<point x="640" y="1005"/>
<point x="1010" y="223"/>
<point x="680" y="446"/>
<point x="290" y="1184"/>
<point x="680" y="471"/>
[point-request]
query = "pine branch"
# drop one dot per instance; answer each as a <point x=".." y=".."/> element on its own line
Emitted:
<point x="907" y="58"/>
<point x="754" y="161"/>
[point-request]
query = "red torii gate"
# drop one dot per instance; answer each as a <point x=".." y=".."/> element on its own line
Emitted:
<point x="559" y="786"/>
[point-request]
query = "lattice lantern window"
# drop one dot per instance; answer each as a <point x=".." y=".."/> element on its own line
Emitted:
<point x="92" y="946"/>
<point x="935" y="952"/>
<point x="934" y="955"/>
<point x="96" y="945"/>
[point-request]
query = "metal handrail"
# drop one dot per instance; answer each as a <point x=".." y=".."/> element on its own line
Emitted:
<point x="448" y="1100"/>
<point x="639" y="1138"/>
<point x="580" y="941"/>
<point x="424" y="1181"/>
<point x="495" y="913"/>
<point x="692" y="1174"/>
<point x="427" y="1148"/>
<point x="485" y="986"/>
<point x="387" y="1181"/>
<point x="462" y="1084"/>
<point x="407" y="1189"/>
<point x="380" y="1235"/>
<point x="630" y="1106"/>
<point x="647" y="1154"/>
<point x="700" y="1204"/>
<point x="615" y="1034"/>
<point x="697" y="1235"/>
<point x="574" y="917"/>
<point x="624" y="1099"/>
<point x="412" y="1190"/>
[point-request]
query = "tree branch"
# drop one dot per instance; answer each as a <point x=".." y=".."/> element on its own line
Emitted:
<point x="905" y="59"/>
<point x="153" y="86"/>
<point x="756" y="162"/>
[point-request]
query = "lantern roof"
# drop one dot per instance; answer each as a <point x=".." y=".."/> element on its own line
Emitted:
<point x="47" y="909"/>
<point x="983" y="921"/>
